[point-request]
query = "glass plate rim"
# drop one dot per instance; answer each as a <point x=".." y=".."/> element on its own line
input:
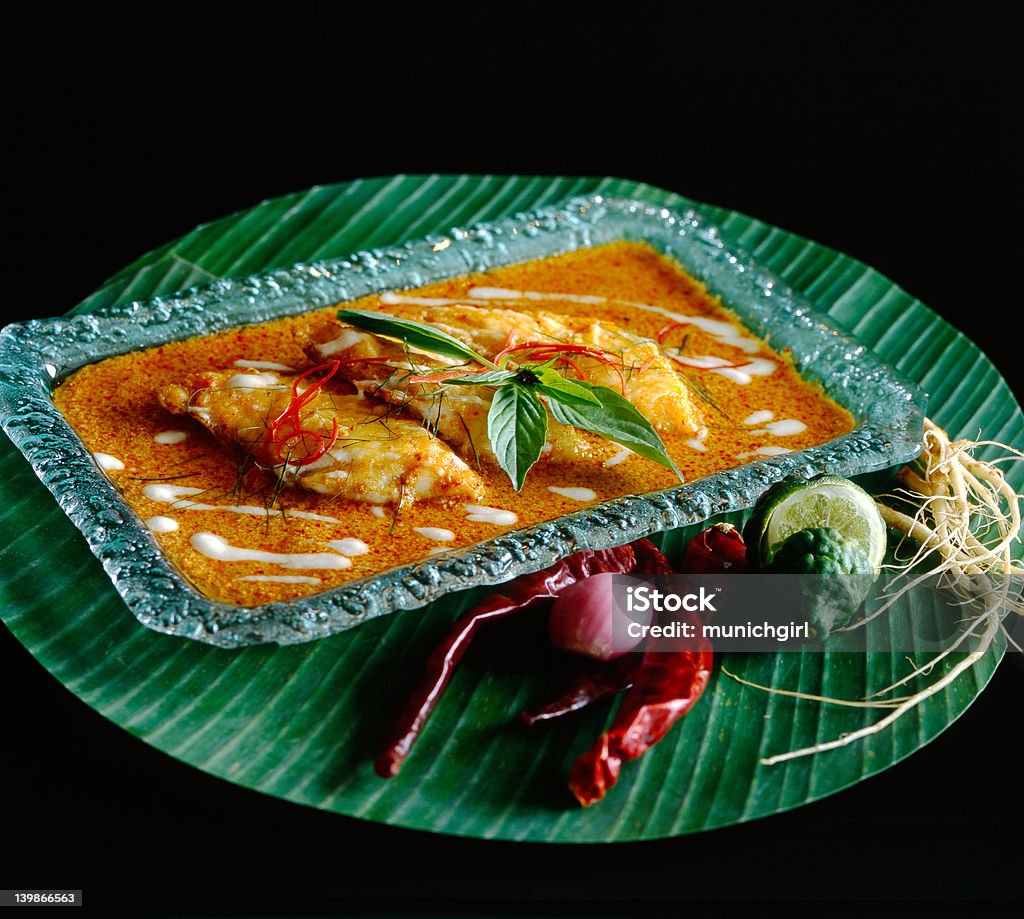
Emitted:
<point x="35" y="355"/>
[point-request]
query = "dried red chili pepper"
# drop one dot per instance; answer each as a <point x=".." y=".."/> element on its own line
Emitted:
<point x="666" y="684"/>
<point x="665" y="687"/>
<point x="524" y="593"/>
<point x="650" y="559"/>
<point x="717" y="550"/>
<point x="591" y="685"/>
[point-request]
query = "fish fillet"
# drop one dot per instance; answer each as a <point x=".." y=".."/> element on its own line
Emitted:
<point x="635" y="366"/>
<point x="377" y="457"/>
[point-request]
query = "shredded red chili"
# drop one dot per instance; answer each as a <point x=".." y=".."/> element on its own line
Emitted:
<point x="555" y="347"/>
<point x="286" y="431"/>
<point x="672" y="326"/>
<point x="546" y="349"/>
<point x="569" y="362"/>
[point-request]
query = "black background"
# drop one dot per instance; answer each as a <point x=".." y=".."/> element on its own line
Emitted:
<point x="890" y="131"/>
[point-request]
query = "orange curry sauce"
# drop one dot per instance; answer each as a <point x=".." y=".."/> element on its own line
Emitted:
<point x="113" y="406"/>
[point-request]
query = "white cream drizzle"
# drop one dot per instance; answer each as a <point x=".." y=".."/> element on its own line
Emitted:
<point x="349" y="546"/>
<point x="172" y="494"/>
<point x="481" y="513"/>
<point x="759" y="367"/>
<point x="784" y="428"/>
<point x="697" y="443"/>
<point x="167" y="494"/>
<point x="496" y="293"/>
<point x="504" y="293"/>
<point x="108" y="462"/>
<point x="216" y="547"/>
<point x="624" y="454"/>
<point x="390" y="298"/>
<point x="743" y="374"/>
<point x="701" y="361"/>
<point x="264" y="365"/>
<point x="346" y="339"/>
<point x="438" y="534"/>
<point x="734" y="374"/>
<point x="574" y="494"/>
<point x="377" y="511"/>
<point x="764" y="451"/>
<point x="254" y="381"/>
<point x="725" y="332"/>
<point x="171" y="437"/>
<point x="160" y="524"/>
<point x="759" y="417"/>
<point x="280" y="578"/>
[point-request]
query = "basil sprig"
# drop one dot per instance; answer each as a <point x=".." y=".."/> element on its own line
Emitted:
<point x="517" y="421"/>
<point x="517" y="424"/>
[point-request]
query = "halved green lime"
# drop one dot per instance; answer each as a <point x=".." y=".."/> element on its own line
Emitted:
<point x="824" y="501"/>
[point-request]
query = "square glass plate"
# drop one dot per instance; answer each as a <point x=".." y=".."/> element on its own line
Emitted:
<point x="35" y="356"/>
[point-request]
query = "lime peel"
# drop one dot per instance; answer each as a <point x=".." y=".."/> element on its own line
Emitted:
<point x="824" y="501"/>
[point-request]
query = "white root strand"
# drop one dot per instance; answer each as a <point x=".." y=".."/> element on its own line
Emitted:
<point x="810" y="697"/>
<point x="924" y="669"/>
<point x="969" y="661"/>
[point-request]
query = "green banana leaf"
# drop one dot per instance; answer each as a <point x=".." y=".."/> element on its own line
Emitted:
<point x="302" y="722"/>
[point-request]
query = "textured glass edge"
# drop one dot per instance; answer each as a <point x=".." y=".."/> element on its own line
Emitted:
<point x="888" y="410"/>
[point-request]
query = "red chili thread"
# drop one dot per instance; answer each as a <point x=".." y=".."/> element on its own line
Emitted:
<point x="646" y="364"/>
<point x="290" y="423"/>
<point x="551" y="346"/>
<point x="571" y="363"/>
<point x="670" y="327"/>
<point x="548" y="349"/>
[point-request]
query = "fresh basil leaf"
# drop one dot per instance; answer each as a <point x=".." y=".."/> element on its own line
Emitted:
<point x="552" y="384"/>
<point x="618" y="420"/>
<point x="487" y="378"/>
<point x="517" y="425"/>
<point x="415" y="334"/>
